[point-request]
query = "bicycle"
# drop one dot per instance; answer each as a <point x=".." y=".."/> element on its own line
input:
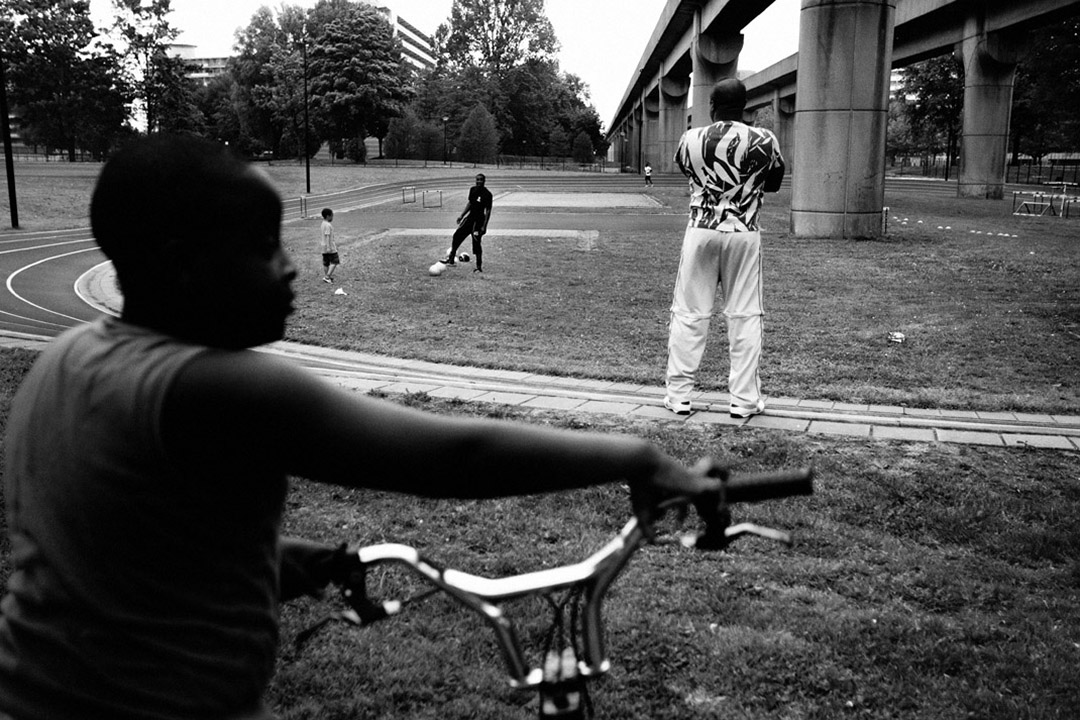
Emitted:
<point x="573" y="656"/>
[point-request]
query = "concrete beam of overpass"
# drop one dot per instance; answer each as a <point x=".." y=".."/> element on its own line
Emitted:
<point x="673" y="37"/>
<point x="923" y="29"/>
<point x="831" y="106"/>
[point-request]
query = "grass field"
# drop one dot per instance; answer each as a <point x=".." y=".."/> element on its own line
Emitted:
<point x="928" y="581"/>
<point x="991" y="321"/>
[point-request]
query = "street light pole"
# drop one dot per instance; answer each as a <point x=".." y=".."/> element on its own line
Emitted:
<point x="307" y="155"/>
<point x="5" y="128"/>
<point x="446" y="119"/>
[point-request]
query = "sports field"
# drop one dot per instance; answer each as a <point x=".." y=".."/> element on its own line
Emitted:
<point x="987" y="302"/>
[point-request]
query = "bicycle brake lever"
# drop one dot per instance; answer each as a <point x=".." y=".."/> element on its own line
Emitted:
<point x="369" y="612"/>
<point x="362" y="610"/>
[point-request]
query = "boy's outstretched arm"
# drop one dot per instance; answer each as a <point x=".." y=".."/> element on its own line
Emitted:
<point x="251" y="410"/>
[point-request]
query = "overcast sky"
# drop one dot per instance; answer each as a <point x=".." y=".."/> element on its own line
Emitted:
<point x="602" y="40"/>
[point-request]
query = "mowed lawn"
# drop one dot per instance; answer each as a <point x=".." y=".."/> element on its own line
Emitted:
<point x="928" y="581"/>
<point x="988" y="303"/>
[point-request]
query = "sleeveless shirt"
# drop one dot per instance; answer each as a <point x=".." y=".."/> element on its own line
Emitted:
<point x="139" y="589"/>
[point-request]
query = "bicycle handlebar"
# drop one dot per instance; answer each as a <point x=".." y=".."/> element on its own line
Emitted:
<point x="770" y="486"/>
<point x="591" y="577"/>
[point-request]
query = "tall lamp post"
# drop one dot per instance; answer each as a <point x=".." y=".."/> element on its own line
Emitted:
<point x="5" y="128"/>
<point x="446" y="119"/>
<point x="307" y="155"/>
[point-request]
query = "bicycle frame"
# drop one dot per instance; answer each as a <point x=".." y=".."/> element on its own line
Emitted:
<point x="593" y="575"/>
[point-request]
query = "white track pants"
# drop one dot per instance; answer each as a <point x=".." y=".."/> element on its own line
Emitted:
<point x="732" y="261"/>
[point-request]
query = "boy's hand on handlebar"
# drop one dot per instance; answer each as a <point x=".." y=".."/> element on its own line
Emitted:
<point x="672" y="479"/>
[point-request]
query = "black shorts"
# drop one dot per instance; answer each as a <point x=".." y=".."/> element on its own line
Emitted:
<point x="330" y="259"/>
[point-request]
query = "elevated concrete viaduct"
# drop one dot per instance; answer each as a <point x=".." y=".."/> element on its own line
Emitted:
<point x="830" y="100"/>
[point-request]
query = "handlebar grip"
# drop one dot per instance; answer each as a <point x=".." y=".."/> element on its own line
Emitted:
<point x="770" y="485"/>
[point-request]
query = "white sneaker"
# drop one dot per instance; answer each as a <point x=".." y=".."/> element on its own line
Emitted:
<point x="677" y="407"/>
<point x="740" y="413"/>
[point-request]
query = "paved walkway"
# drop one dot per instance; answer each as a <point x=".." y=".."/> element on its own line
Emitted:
<point x="364" y="372"/>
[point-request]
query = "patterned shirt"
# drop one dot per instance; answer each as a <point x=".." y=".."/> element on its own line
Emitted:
<point x="727" y="163"/>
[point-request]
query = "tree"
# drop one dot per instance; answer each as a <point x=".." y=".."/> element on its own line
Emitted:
<point x="430" y="141"/>
<point x="583" y="149"/>
<point x="497" y="34"/>
<point x="283" y="98"/>
<point x="172" y="95"/>
<point x="936" y="113"/>
<point x="356" y="70"/>
<point x="899" y="138"/>
<point x="67" y="89"/>
<point x="478" y="141"/>
<point x="1046" y="97"/>
<point x="160" y="81"/>
<point x="251" y="69"/>
<point x="403" y="136"/>
<point x="559" y="142"/>
<point x="103" y="108"/>
<point x="501" y="54"/>
<point x="528" y="102"/>
<point x="217" y="104"/>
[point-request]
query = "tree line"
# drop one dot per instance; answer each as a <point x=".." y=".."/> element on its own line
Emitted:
<point x="299" y="79"/>
<point x="926" y="117"/>
<point x="334" y="75"/>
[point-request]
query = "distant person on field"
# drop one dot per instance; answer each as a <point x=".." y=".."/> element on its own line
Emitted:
<point x="473" y="220"/>
<point x="330" y="257"/>
<point x="729" y="165"/>
<point x="148" y="457"/>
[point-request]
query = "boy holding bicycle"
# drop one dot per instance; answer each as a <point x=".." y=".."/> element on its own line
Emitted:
<point x="147" y="459"/>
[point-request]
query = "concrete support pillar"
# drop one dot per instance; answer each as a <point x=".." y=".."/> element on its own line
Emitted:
<point x="841" y="115"/>
<point x="784" y="128"/>
<point x="633" y="155"/>
<point x="673" y="93"/>
<point x="650" y="118"/>
<point x="989" y="71"/>
<point x="620" y="140"/>
<point x="714" y="58"/>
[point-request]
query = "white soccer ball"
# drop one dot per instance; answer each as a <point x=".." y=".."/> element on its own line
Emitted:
<point x="463" y="257"/>
<point x="436" y="269"/>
